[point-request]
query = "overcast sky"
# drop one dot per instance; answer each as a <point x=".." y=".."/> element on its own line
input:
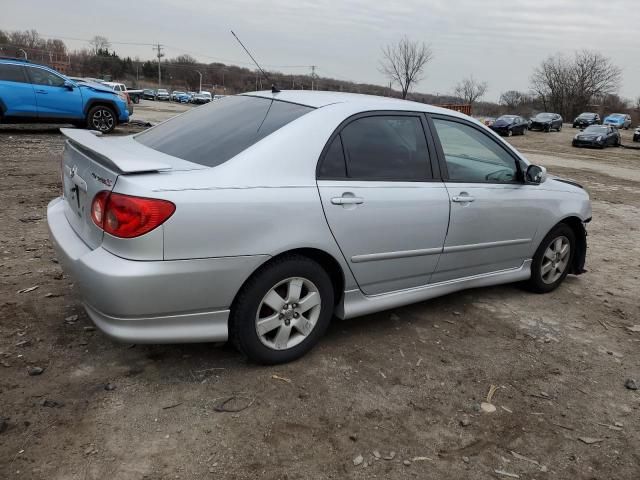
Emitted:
<point x="499" y="41"/>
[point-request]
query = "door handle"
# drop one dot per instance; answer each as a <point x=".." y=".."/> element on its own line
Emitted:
<point x="347" y="200"/>
<point x="463" y="199"/>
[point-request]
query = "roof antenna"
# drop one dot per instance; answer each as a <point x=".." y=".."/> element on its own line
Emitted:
<point x="274" y="89"/>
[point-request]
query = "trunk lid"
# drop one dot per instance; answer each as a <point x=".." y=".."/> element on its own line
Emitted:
<point x="83" y="175"/>
<point x="92" y="163"/>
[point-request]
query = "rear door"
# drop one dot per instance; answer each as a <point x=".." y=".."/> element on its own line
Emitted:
<point x="54" y="99"/>
<point x="384" y="207"/>
<point x="17" y="98"/>
<point x="494" y="216"/>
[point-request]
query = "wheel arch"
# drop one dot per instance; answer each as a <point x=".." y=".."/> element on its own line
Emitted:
<point x="327" y="261"/>
<point x="577" y="226"/>
<point x="95" y="102"/>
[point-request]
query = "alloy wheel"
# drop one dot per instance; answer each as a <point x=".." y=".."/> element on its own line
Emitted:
<point x="288" y="313"/>
<point x="555" y="260"/>
<point x="102" y="119"/>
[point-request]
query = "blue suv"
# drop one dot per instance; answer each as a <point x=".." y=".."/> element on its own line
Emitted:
<point x="35" y="93"/>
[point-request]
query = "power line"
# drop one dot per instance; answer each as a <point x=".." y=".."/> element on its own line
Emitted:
<point x="173" y="47"/>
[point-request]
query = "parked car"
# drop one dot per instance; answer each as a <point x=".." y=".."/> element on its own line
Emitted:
<point x="600" y="136"/>
<point x="183" y="97"/>
<point x="162" y="237"/>
<point x="509" y="125"/>
<point x="121" y="88"/>
<point x="488" y="121"/>
<point x="636" y="135"/>
<point x="148" y="94"/>
<point x="162" y="94"/>
<point x="174" y="95"/>
<point x="202" y="97"/>
<point x="546" y="122"/>
<point x="35" y="93"/>
<point x="618" y="120"/>
<point x="133" y="94"/>
<point x="585" y="119"/>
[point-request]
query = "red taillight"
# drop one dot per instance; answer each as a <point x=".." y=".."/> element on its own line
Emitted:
<point x="126" y="216"/>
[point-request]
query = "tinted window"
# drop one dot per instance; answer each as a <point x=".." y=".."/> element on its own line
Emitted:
<point x="472" y="156"/>
<point x="12" y="73"/>
<point x="43" y="77"/>
<point x="212" y="134"/>
<point x="386" y="147"/>
<point x="333" y="164"/>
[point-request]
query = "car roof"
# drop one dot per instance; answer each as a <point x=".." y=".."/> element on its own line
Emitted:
<point x="318" y="99"/>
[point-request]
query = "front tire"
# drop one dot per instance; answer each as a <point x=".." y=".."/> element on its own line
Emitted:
<point x="282" y="310"/>
<point x="553" y="259"/>
<point x="101" y="118"/>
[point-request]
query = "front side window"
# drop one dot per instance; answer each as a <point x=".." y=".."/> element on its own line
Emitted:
<point x="472" y="156"/>
<point x="212" y="134"/>
<point x="386" y="148"/>
<point x="12" y="73"/>
<point x="44" y="77"/>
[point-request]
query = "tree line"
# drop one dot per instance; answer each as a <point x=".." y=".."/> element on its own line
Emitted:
<point x="567" y="85"/>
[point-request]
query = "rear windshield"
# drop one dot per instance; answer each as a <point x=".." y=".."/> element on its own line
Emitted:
<point x="212" y="134"/>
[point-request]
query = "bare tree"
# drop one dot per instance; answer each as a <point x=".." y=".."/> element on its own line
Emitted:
<point x="404" y="62"/>
<point x="512" y="99"/>
<point x="569" y="85"/>
<point x="98" y="43"/>
<point x="470" y="90"/>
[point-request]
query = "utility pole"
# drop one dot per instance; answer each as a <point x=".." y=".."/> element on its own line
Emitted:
<point x="313" y="75"/>
<point x="158" y="47"/>
<point x="200" y="80"/>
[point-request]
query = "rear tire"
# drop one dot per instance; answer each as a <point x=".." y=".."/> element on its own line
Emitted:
<point x="551" y="263"/>
<point x="271" y="318"/>
<point x="101" y="118"/>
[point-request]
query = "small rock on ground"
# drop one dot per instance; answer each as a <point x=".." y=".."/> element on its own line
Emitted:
<point x="631" y="384"/>
<point x="33" y="371"/>
<point x="358" y="460"/>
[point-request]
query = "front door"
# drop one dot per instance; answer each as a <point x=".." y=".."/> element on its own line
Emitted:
<point x="54" y="99"/>
<point x="494" y="215"/>
<point x="386" y="212"/>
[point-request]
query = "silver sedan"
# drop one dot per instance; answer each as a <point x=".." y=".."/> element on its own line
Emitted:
<point x="260" y="217"/>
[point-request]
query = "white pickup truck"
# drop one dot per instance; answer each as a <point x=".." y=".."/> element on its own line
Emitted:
<point x="134" y="95"/>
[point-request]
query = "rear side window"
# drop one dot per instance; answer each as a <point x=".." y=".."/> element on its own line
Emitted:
<point x="12" y="73"/>
<point x="212" y="134"/>
<point x="390" y="147"/>
<point x="333" y="165"/>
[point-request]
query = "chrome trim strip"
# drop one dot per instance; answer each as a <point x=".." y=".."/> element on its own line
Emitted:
<point x="480" y="246"/>
<point x="372" y="257"/>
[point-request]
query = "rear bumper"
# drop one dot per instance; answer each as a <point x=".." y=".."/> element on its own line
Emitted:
<point x="150" y="301"/>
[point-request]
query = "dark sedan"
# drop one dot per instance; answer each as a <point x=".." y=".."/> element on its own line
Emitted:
<point x="599" y="136"/>
<point x="508" y="125"/>
<point x="546" y="122"/>
<point x="585" y="119"/>
<point x="149" y="94"/>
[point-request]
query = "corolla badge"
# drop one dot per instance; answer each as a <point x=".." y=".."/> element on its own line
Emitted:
<point x="105" y="181"/>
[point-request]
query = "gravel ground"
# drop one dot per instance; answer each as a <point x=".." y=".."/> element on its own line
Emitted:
<point x="404" y="385"/>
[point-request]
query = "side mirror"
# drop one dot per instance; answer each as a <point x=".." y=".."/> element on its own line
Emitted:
<point x="69" y="85"/>
<point x="535" y="174"/>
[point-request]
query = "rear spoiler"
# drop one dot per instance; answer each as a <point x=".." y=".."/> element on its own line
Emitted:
<point x="110" y="153"/>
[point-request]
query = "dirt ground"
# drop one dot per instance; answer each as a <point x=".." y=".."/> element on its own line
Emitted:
<point x="408" y="381"/>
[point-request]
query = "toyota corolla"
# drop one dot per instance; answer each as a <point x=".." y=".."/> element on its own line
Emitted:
<point x="260" y="217"/>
